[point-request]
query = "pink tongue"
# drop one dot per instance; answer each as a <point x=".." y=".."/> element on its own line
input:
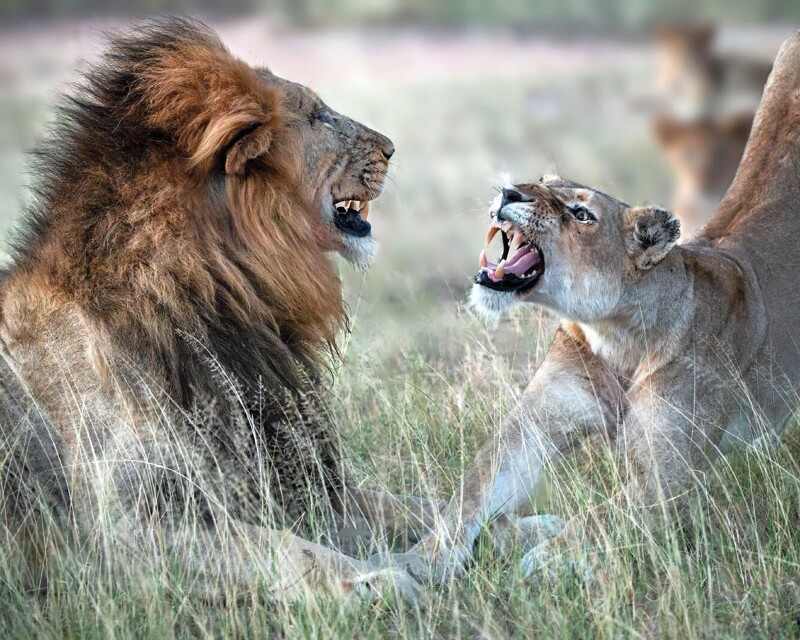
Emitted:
<point x="519" y="264"/>
<point x="523" y="259"/>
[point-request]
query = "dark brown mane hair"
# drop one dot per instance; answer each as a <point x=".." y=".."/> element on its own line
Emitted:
<point x="168" y="209"/>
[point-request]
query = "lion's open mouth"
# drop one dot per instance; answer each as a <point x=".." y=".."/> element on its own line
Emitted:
<point x="520" y="265"/>
<point x="350" y="217"/>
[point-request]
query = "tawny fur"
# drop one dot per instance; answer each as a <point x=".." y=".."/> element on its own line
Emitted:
<point x="663" y="348"/>
<point x="169" y="313"/>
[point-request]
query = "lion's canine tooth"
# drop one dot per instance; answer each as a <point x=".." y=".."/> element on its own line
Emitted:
<point x="364" y="213"/>
<point x="491" y="234"/>
<point x="482" y="261"/>
<point x="500" y="272"/>
<point x="516" y="243"/>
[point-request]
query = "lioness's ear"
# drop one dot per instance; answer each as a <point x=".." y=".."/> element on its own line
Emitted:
<point x="650" y="232"/>
<point x="666" y="129"/>
<point x="737" y="127"/>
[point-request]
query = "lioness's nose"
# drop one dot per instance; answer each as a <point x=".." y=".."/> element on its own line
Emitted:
<point x="511" y="195"/>
<point x="388" y="151"/>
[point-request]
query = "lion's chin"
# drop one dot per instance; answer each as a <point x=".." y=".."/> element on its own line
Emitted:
<point x="490" y="303"/>
<point x="360" y="252"/>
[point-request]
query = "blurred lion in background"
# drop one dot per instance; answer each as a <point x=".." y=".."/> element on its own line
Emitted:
<point x="168" y="314"/>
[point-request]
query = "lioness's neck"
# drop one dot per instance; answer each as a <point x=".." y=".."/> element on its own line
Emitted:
<point x="649" y="319"/>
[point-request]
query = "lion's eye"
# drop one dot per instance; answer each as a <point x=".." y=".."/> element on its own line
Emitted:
<point x="583" y="215"/>
<point x="324" y="117"/>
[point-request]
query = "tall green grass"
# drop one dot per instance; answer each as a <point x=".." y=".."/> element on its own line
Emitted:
<point x="412" y="424"/>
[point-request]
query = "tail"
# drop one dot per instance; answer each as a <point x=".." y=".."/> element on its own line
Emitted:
<point x="763" y="202"/>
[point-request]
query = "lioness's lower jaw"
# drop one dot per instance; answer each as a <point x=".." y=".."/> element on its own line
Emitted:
<point x="510" y="283"/>
<point x="490" y="303"/>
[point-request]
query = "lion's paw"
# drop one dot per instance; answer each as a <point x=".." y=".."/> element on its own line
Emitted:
<point x="384" y="584"/>
<point x="549" y="563"/>
<point x="539" y="562"/>
<point x="441" y="567"/>
<point x="532" y="531"/>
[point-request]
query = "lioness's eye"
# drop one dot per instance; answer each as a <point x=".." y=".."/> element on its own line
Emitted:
<point x="581" y="214"/>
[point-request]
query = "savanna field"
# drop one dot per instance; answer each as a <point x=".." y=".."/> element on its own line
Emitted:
<point x="423" y="381"/>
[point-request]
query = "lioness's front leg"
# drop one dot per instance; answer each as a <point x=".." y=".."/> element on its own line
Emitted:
<point x="572" y="395"/>
<point x="668" y="439"/>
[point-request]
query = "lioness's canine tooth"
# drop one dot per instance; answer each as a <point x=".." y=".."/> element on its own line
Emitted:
<point x="482" y="261"/>
<point x="364" y="213"/>
<point x="500" y="272"/>
<point x="516" y="243"/>
<point x="491" y="234"/>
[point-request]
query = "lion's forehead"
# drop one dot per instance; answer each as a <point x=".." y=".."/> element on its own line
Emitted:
<point x="296" y="94"/>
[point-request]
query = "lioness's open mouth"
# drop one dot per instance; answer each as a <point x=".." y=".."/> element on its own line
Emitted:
<point x="350" y="217"/>
<point x="520" y="265"/>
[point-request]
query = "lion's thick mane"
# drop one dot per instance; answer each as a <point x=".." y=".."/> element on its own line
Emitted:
<point x="170" y="280"/>
<point x="138" y="220"/>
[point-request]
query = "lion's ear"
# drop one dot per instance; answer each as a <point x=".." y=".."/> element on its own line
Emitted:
<point x="236" y="138"/>
<point x="649" y="235"/>
<point x="248" y="145"/>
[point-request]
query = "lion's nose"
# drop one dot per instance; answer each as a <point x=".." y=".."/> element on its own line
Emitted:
<point x="511" y="195"/>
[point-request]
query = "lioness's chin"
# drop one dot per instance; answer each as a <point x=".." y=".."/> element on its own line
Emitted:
<point x="491" y="303"/>
<point x="360" y="252"/>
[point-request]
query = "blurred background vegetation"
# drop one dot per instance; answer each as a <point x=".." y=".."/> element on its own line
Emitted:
<point x="595" y="15"/>
<point x="466" y="89"/>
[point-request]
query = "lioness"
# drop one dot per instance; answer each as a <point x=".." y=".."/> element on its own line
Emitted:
<point x="166" y="315"/>
<point x="662" y="347"/>
<point x="703" y="155"/>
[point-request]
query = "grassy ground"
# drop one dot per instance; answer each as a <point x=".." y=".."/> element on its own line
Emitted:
<point x="423" y="382"/>
<point x="413" y="424"/>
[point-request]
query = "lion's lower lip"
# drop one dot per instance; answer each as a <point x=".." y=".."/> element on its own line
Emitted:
<point x="350" y="217"/>
<point x="352" y="221"/>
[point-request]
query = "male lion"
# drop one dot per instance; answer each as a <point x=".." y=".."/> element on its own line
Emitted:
<point x="167" y="312"/>
<point x="662" y="348"/>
